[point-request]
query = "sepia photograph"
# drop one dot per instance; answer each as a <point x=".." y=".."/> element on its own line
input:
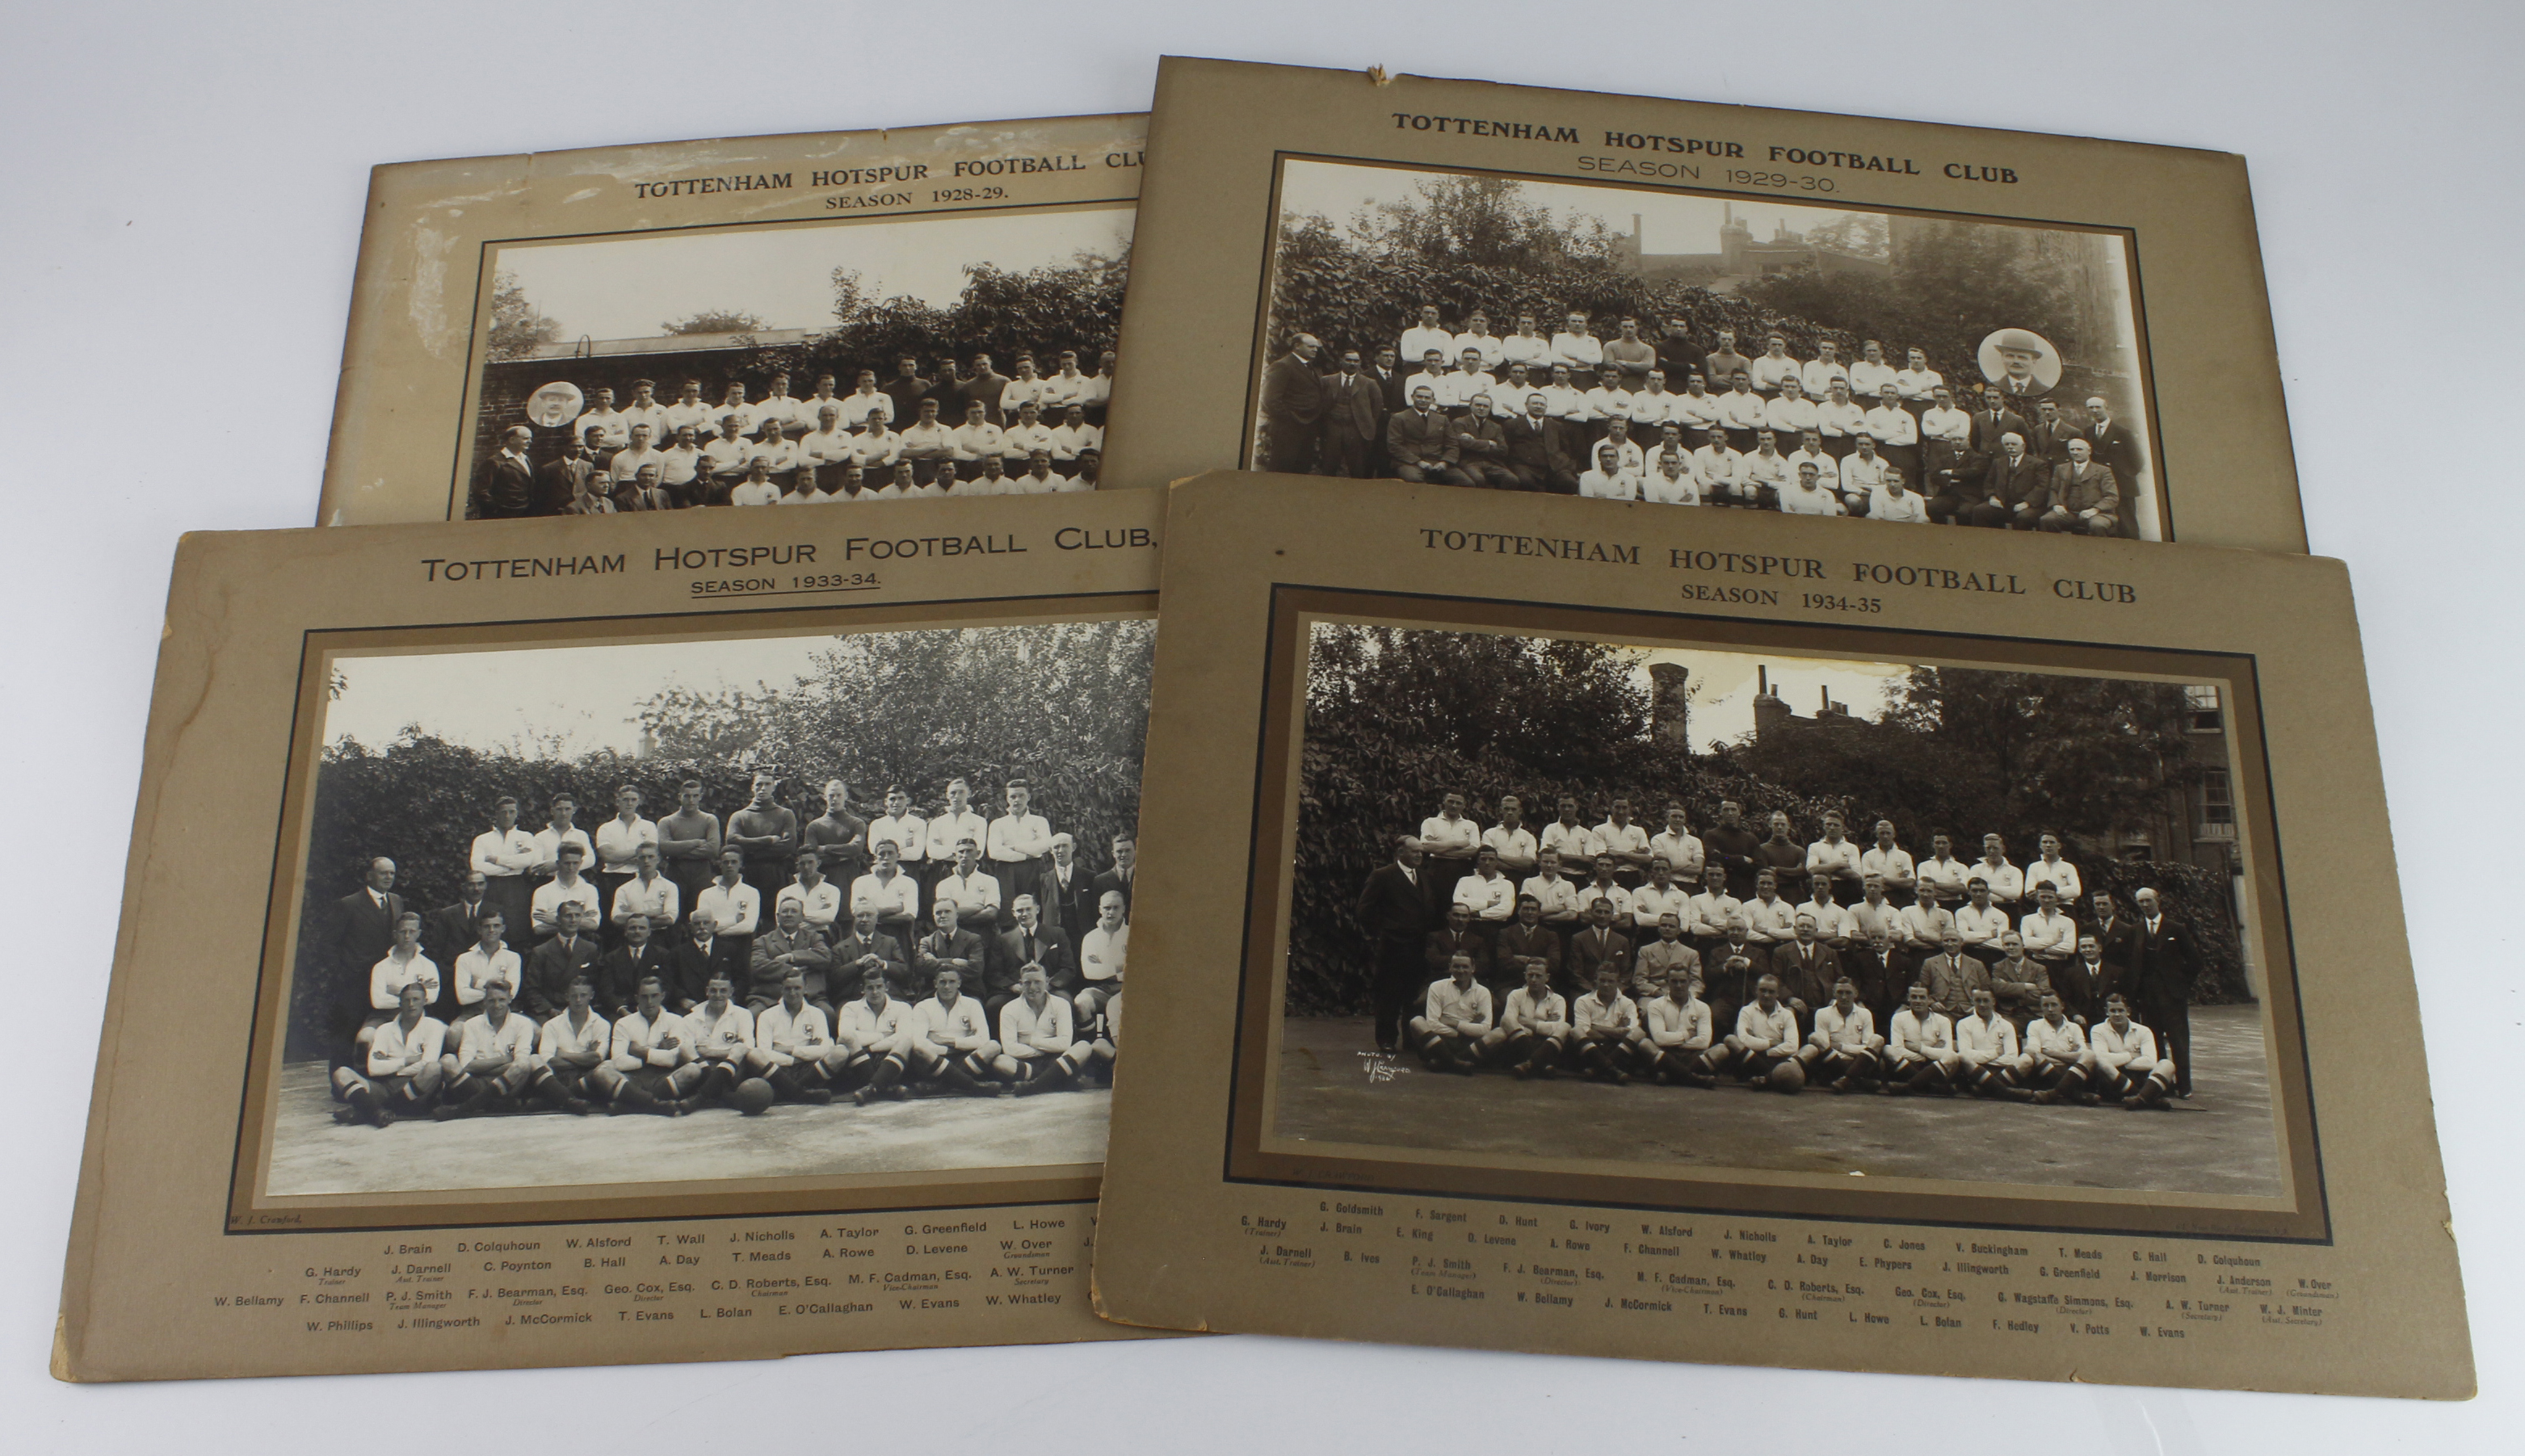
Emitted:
<point x="822" y="905"/>
<point x="797" y="364"/>
<point x="1570" y="901"/>
<point x="1478" y="329"/>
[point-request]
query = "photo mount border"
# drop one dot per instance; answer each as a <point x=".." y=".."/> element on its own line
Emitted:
<point x="1275" y="785"/>
<point x="1260" y="360"/>
<point x="247" y="1212"/>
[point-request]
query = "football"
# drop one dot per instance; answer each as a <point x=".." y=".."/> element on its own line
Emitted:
<point x="753" y="1097"/>
<point x="1788" y="1077"/>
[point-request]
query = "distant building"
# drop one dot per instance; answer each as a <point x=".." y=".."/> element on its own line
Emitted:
<point x="1739" y="255"/>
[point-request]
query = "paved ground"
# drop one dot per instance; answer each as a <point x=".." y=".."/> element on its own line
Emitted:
<point x="2220" y="1142"/>
<point x="312" y="1154"/>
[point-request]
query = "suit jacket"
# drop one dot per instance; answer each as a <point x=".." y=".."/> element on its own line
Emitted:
<point x="763" y="974"/>
<point x="1718" y="986"/>
<point x="1361" y="409"/>
<point x="1393" y="907"/>
<point x="845" y="980"/>
<point x="937" y="948"/>
<point x="691" y="968"/>
<point x="1882" y="983"/>
<point x="1515" y="941"/>
<point x="1415" y="439"/>
<point x="1051" y="948"/>
<point x="2028" y="482"/>
<point x="1073" y="909"/>
<point x="2116" y="447"/>
<point x="363" y="934"/>
<point x="1986" y="430"/>
<point x="1951" y="981"/>
<point x="550" y="968"/>
<point x="1106" y="882"/>
<point x="618" y="973"/>
<point x="2166" y="962"/>
<point x="2049" y="443"/>
<point x="1805" y="972"/>
<point x="2119" y="941"/>
<point x="562" y="479"/>
<point x="1542" y="446"/>
<point x="1292" y="391"/>
<point x="1390" y="386"/>
<point x="1480" y="439"/>
<point x="2092" y="488"/>
<point x="505" y="487"/>
<point x="1590" y="950"/>
<point x="446" y="931"/>
<point x="1444" y="945"/>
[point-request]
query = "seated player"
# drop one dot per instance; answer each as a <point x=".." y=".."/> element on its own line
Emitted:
<point x="1455" y="1018"/>
<point x="1806" y="496"/>
<point x="872" y="1041"/>
<point x="1920" y="1054"/>
<point x="722" y="1034"/>
<point x="1986" y="1049"/>
<point x="951" y="1038"/>
<point x="1678" y="1029"/>
<point x="1603" y="1026"/>
<point x="399" y="1076"/>
<point x="1535" y="1024"/>
<point x="650" y="1068"/>
<point x="403" y="965"/>
<point x="1103" y="1037"/>
<point x="1039" y="1051"/>
<point x="569" y="1049"/>
<point x="1765" y="1035"/>
<point x="1103" y="954"/>
<point x="791" y="944"/>
<point x="486" y="960"/>
<point x="791" y="1048"/>
<point x="557" y="962"/>
<point x="2055" y="1061"/>
<point x="1844" y="1047"/>
<point x="2123" y="1058"/>
<point x="494" y="1060"/>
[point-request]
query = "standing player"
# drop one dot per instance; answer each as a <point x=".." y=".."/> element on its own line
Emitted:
<point x="401" y="1072"/>
<point x="484" y="961"/>
<point x="688" y="840"/>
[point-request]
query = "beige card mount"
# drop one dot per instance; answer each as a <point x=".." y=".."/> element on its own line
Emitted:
<point x="1285" y="203"/>
<point x="1334" y="1126"/>
<point x="339" y="715"/>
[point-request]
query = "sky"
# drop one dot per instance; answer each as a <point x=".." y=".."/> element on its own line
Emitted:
<point x="624" y="288"/>
<point x="1671" y="222"/>
<point x="493" y="699"/>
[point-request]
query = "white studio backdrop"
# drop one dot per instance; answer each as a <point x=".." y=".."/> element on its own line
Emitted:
<point x="183" y="207"/>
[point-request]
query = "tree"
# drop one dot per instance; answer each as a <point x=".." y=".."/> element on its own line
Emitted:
<point x="1860" y="234"/>
<point x="1949" y="285"/>
<point x="714" y="321"/>
<point x="516" y="327"/>
<point x="1483" y="221"/>
<point x="2075" y="753"/>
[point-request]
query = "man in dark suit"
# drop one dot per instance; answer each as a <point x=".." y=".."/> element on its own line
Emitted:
<point x="949" y="946"/>
<point x="704" y="954"/>
<point x="862" y="949"/>
<point x="1994" y="420"/>
<point x="1729" y="967"/>
<point x="1525" y="940"/>
<point x="445" y="933"/>
<point x="1118" y="880"/>
<point x="620" y="972"/>
<point x="1599" y="947"/>
<point x="1353" y="419"/>
<point x="1029" y="945"/>
<point x="2114" y="444"/>
<point x="1422" y="442"/>
<point x="1065" y="891"/>
<point x="2164" y="969"/>
<point x="2048" y="440"/>
<point x="550" y="966"/>
<point x="2086" y="500"/>
<point x="364" y="923"/>
<point x="565" y="480"/>
<point x="1293" y="403"/>
<point x="1806" y="968"/>
<point x="2016" y="491"/>
<point x="1457" y="937"/>
<point x="1481" y="447"/>
<point x="2117" y="936"/>
<point x="1394" y="912"/>
<point x="1882" y="974"/>
<point x="505" y="486"/>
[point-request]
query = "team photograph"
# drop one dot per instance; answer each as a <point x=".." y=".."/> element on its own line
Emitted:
<point x="1562" y="900"/>
<point x="1637" y="344"/>
<point x="700" y="910"/>
<point x="798" y="365"/>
